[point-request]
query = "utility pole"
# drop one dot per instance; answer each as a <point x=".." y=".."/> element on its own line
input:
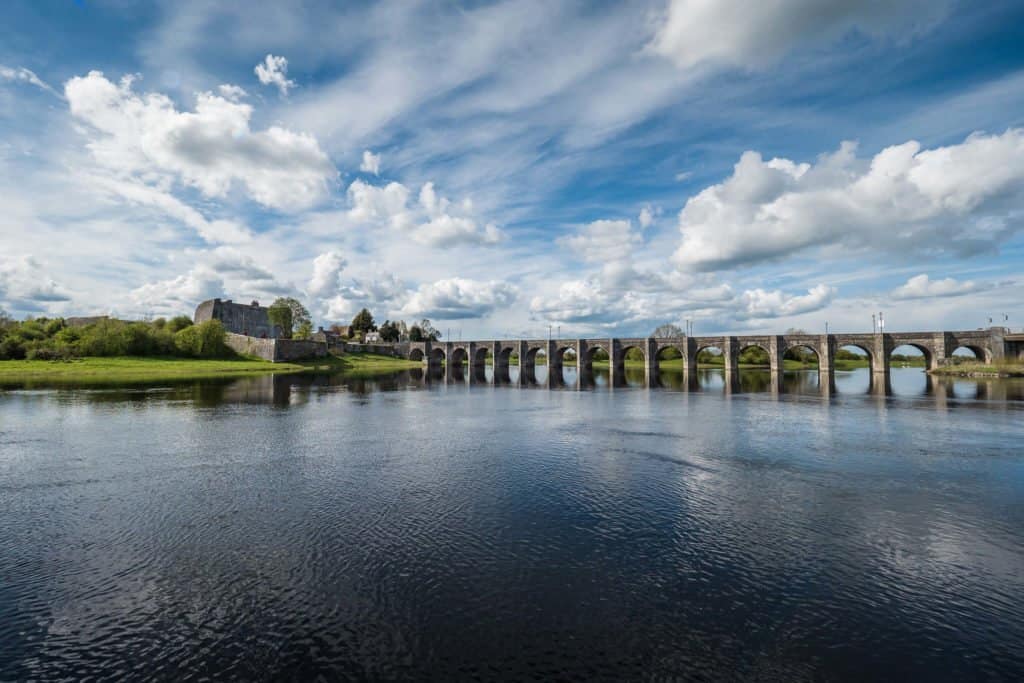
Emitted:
<point x="826" y="328"/>
<point x="874" y="327"/>
<point x="881" y="322"/>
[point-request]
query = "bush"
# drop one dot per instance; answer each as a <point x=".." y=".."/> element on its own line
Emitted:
<point x="12" y="349"/>
<point x="49" y="353"/>
<point x="205" y="340"/>
<point x="179" y="323"/>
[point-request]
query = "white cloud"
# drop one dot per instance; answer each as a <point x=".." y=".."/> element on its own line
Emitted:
<point x="961" y="199"/>
<point x="25" y="285"/>
<point x="210" y="149"/>
<point x="184" y="292"/>
<point x="327" y="268"/>
<point x="138" y="193"/>
<point x="371" y="163"/>
<point x="758" y="303"/>
<point x="232" y="92"/>
<point x="25" y="76"/>
<point x="754" y="34"/>
<point x="458" y="298"/>
<point x="646" y="217"/>
<point x="375" y="204"/>
<point x="435" y="222"/>
<point x="274" y="71"/>
<point x="603" y="241"/>
<point x="921" y="287"/>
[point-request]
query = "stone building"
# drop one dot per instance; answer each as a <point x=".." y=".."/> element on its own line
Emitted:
<point x="248" y="319"/>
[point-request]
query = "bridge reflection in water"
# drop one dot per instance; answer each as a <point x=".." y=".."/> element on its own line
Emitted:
<point x="910" y="381"/>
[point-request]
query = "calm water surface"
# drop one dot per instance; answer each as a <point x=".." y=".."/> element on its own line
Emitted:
<point x="406" y="528"/>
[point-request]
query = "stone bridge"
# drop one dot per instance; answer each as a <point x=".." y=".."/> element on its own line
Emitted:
<point x="988" y="345"/>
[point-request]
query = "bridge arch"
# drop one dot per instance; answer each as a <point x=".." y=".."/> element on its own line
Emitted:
<point x="980" y="353"/>
<point x="416" y="354"/>
<point x="459" y="356"/>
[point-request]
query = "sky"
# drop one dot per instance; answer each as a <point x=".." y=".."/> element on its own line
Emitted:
<point x="509" y="168"/>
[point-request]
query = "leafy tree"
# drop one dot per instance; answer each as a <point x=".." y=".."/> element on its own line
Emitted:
<point x="288" y="314"/>
<point x="205" y="340"/>
<point x="668" y="330"/>
<point x="429" y="333"/>
<point x="389" y="332"/>
<point x="754" y="355"/>
<point x="416" y="334"/>
<point x="304" y="330"/>
<point x="178" y="323"/>
<point x="363" y="323"/>
<point x="634" y="353"/>
<point x="403" y="331"/>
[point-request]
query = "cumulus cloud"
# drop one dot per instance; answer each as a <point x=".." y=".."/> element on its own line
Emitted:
<point x="458" y="298"/>
<point x="433" y="221"/>
<point x="211" y="149"/>
<point x="231" y="92"/>
<point x="25" y="285"/>
<point x="23" y="75"/>
<point x="371" y="163"/>
<point x="595" y="304"/>
<point x="274" y="71"/>
<point x="922" y="287"/>
<point x="962" y="199"/>
<point x="758" y="303"/>
<point x="603" y="241"/>
<point x="178" y="294"/>
<point x="647" y="216"/>
<point x="753" y="34"/>
<point x="327" y="268"/>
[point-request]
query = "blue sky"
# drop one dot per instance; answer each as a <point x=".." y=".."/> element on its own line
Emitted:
<point x="500" y="167"/>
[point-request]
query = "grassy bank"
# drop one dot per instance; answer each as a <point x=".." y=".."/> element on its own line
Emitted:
<point x="137" y="370"/>
<point x="980" y="370"/>
<point x="372" y="364"/>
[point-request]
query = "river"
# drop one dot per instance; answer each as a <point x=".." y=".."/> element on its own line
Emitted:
<point x="403" y="527"/>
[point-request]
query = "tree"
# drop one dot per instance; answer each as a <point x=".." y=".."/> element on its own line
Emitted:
<point x="304" y="330"/>
<point x="363" y="323"/>
<point x="288" y="313"/>
<point x="416" y="333"/>
<point x="178" y="323"/>
<point x="668" y="330"/>
<point x="403" y="331"/>
<point x="429" y="333"/>
<point x="389" y="332"/>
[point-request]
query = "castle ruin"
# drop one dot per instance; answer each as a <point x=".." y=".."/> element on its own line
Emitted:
<point x="250" y="320"/>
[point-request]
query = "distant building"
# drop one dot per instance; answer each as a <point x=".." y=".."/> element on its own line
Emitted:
<point x="372" y="338"/>
<point x="251" y="320"/>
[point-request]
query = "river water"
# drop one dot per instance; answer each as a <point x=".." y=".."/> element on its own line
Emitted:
<point x="295" y="527"/>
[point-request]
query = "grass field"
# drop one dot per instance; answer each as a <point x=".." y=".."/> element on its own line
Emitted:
<point x="130" y="370"/>
<point x="976" y="369"/>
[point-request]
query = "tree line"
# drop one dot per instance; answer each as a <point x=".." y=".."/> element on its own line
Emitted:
<point x="390" y="330"/>
<point x="53" y="339"/>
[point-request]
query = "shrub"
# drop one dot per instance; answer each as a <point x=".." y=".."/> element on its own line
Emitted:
<point x="49" y="353"/>
<point x="179" y="323"/>
<point x="205" y="340"/>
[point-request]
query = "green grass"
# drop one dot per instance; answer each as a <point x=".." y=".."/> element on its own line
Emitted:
<point x="372" y="364"/>
<point x="135" y="370"/>
<point x="1006" y="369"/>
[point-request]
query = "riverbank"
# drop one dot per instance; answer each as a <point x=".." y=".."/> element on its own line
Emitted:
<point x="980" y="370"/>
<point x="141" y="370"/>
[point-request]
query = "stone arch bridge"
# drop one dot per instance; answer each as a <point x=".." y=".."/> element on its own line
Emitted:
<point x="988" y="345"/>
